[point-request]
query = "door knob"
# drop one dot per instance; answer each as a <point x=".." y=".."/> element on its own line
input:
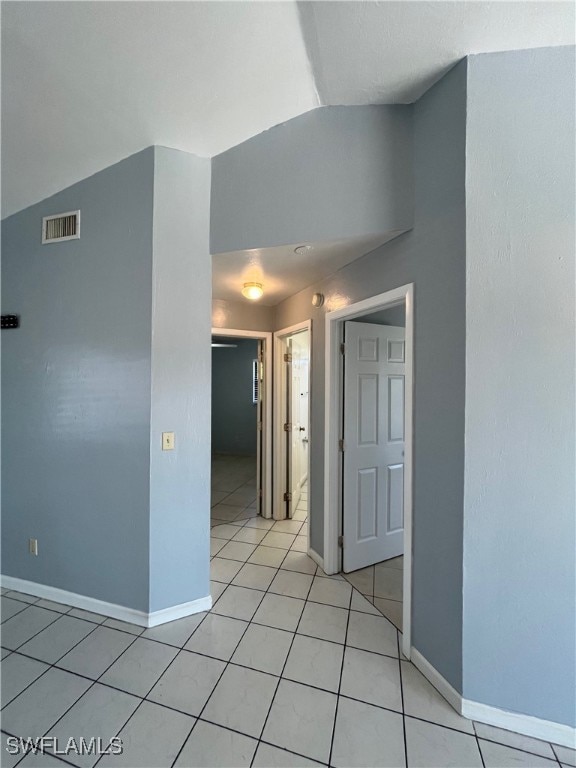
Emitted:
<point x="305" y="440"/>
<point x="302" y="429"/>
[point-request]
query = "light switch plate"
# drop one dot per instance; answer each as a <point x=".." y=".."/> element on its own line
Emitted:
<point x="167" y="441"/>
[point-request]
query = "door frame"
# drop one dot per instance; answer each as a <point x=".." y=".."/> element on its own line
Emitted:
<point x="280" y="457"/>
<point x="332" y="434"/>
<point x="266" y="337"/>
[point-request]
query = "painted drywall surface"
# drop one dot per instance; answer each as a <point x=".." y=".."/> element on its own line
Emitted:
<point x="272" y="189"/>
<point x="433" y="257"/>
<point x="233" y="412"/>
<point x="519" y="556"/>
<point x="242" y="315"/>
<point x="76" y="389"/>
<point x="395" y="316"/>
<point x="180" y="479"/>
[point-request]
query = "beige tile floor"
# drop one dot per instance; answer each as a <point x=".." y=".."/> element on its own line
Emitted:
<point x="289" y="668"/>
<point x="381" y="584"/>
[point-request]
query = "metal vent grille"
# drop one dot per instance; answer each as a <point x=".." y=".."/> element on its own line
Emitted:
<point x="63" y="226"/>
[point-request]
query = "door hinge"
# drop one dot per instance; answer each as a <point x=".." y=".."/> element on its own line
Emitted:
<point x="341" y="445"/>
<point x="287" y="427"/>
<point x="342" y="348"/>
<point x="259" y="426"/>
<point x="341" y="541"/>
<point x="260" y="494"/>
<point x="287" y="496"/>
<point x="287" y="357"/>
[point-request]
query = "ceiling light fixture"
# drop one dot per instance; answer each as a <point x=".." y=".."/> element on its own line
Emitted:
<point x="252" y="291"/>
<point x="302" y="249"/>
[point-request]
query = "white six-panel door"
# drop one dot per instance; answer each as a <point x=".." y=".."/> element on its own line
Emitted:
<point x="373" y="462"/>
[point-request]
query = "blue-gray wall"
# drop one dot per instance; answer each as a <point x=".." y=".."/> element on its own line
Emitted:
<point x="180" y="398"/>
<point x="113" y="349"/>
<point x="330" y="174"/>
<point x="76" y="389"/>
<point x="395" y="316"/>
<point x="233" y="412"/>
<point x="242" y="316"/>
<point x="520" y="538"/>
<point x="432" y="256"/>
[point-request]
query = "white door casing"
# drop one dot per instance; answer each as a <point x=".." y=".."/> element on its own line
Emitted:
<point x="283" y="342"/>
<point x="298" y="416"/>
<point x="265" y="408"/>
<point x="260" y="430"/>
<point x="373" y="462"/>
<point x="334" y="321"/>
<point x="289" y="425"/>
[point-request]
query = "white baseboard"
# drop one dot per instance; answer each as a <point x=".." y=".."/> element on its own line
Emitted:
<point x="546" y="730"/>
<point x="316" y="557"/>
<point x="438" y="681"/>
<point x="120" y="612"/>
<point x="179" y="611"/>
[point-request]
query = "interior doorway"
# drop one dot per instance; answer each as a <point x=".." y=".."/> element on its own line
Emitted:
<point x="373" y="460"/>
<point x="241" y="425"/>
<point x="292" y="419"/>
<point x="368" y="461"/>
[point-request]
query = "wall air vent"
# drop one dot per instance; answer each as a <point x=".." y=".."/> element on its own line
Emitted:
<point x="63" y="226"/>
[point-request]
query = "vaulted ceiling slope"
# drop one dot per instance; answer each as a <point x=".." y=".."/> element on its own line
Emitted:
<point x="85" y="84"/>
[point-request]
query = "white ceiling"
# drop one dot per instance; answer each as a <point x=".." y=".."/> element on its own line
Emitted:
<point x="85" y="84"/>
<point x="283" y="272"/>
<point x="392" y="52"/>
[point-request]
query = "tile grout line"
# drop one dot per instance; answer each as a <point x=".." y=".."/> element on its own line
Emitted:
<point x="554" y="752"/>
<point x="175" y="709"/>
<point x="24" y="607"/>
<point x="140" y="703"/>
<point x="518" y="749"/>
<point x="49" y="665"/>
<point x="135" y="637"/>
<point x="402" y="698"/>
<point x="58" y="616"/>
<point x="231" y="655"/>
<point x="181" y="648"/>
<point x="94" y="681"/>
<point x="314" y="602"/>
<point x="367" y="703"/>
<point x="478" y="745"/>
<point x="340" y="678"/>
<point x="28" y="603"/>
<point x="143" y="698"/>
<point x="31" y="750"/>
<point x="280" y="677"/>
<point x="227" y="663"/>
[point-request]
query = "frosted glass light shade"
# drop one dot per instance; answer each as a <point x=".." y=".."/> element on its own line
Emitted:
<point x="252" y="291"/>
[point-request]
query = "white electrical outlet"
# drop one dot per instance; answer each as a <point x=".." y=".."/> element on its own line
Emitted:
<point x="33" y="546"/>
